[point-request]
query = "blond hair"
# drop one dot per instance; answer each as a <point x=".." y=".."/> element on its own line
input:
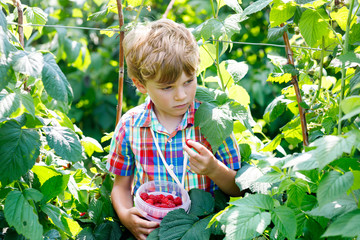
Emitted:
<point x="161" y="52"/>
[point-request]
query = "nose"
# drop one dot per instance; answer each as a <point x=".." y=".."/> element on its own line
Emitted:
<point x="180" y="94"/>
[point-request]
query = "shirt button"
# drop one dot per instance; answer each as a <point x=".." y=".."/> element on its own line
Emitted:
<point x="171" y="166"/>
<point x="170" y="140"/>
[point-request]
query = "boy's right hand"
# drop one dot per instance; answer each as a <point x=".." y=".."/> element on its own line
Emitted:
<point x="137" y="225"/>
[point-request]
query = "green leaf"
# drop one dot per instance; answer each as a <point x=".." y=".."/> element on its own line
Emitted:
<point x="214" y="28"/>
<point x="354" y="34"/>
<point x="3" y="22"/>
<point x="65" y="143"/>
<point x="20" y="214"/>
<point x="237" y="70"/>
<point x="86" y="233"/>
<point x="55" y="82"/>
<point x="276" y="108"/>
<point x="284" y="220"/>
<point x="6" y="75"/>
<point x="28" y="102"/>
<point x="355" y="82"/>
<point x="54" y="186"/>
<point x="349" y="58"/>
<point x="9" y="103"/>
<point x="35" y="15"/>
<point x="72" y="49"/>
<point x="33" y="194"/>
<point x="234" y="4"/>
<point x="256" y="6"/>
<point x="347" y="225"/>
<point x="45" y="172"/>
<point x="108" y="230"/>
<point x="273" y="144"/>
<point x="27" y="63"/>
<point x="342" y="205"/>
<point x="175" y="224"/>
<point x="297" y="191"/>
<point x="260" y="201"/>
<point x="340" y="16"/>
<point x="313" y="26"/>
<point x="276" y="33"/>
<point x="91" y="146"/>
<point x="333" y="186"/>
<point x="5" y="46"/>
<point x="246" y="178"/>
<point x="61" y="219"/>
<point x="97" y="16"/>
<point x="350" y="106"/>
<point x="202" y="203"/>
<point x="154" y="235"/>
<point x="215" y="123"/>
<point x="243" y="223"/>
<point x="19" y="149"/>
<point x="281" y="12"/>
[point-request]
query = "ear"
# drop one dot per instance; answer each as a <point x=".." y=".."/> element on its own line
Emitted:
<point x="139" y="86"/>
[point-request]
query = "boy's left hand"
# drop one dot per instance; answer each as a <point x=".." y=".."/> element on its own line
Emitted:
<point x="202" y="161"/>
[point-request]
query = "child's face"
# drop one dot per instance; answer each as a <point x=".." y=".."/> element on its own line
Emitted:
<point x="171" y="101"/>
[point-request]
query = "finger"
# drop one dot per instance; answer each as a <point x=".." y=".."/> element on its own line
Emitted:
<point x="191" y="153"/>
<point x="198" y="147"/>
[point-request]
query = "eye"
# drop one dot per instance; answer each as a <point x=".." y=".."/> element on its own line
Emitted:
<point x="189" y="81"/>
<point x="166" y="88"/>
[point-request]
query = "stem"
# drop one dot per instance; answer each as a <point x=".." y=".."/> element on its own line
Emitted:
<point x="218" y="67"/>
<point x="213" y="8"/>
<point x="121" y="62"/>
<point x="17" y="4"/>
<point x="138" y="13"/>
<point x="321" y="72"/>
<point x="343" y="70"/>
<point x="169" y="7"/>
<point x="297" y="90"/>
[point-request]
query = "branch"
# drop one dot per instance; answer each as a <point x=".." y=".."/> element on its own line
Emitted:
<point x="18" y="5"/>
<point x="121" y="62"/>
<point x="295" y="82"/>
<point x="169" y="7"/>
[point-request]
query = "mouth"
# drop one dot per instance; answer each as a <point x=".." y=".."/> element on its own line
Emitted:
<point x="181" y="106"/>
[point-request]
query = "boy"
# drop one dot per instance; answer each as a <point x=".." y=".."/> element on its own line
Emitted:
<point x="162" y="60"/>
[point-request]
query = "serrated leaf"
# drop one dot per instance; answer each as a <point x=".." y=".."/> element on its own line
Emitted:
<point x="20" y="214"/>
<point x="354" y="34"/>
<point x="276" y="108"/>
<point x="233" y="4"/>
<point x="65" y="143"/>
<point x="279" y="78"/>
<point x="72" y="50"/>
<point x="284" y="219"/>
<point x="237" y="70"/>
<point x="175" y="224"/>
<point x="198" y="230"/>
<point x="246" y="178"/>
<point x="244" y="223"/>
<point x="207" y="56"/>
<point x="215" y="123"/>
<point x="276" y="32"/>
<point x="86" y="233"/>
<point x="91" y="145"/>
<point x="27" y="63"/>
<point x="350" y="58"/>
<point x="240" y="95"/>
<point x="297" y="191"/>
<point x="3" y="22"/>
<point x="313" y="26"/>
<point x="108" y="230"/>
<point x="6" y="75"/>
<point x="19" y="149"/>
<point x="333" y="186"/>
<point x="54" y="186"/>
<point x="355" y="82"/>
<point x="45" y="172"/>
<point x="347" y="225"/>
<point x="28" y="102"/>
<point x="342" y="205"/>
<point x="202" y="203"/>
<point x="272" y="145"/>
<point x="281" y="12"/>
<point x="9" y="103"/>
<point x="97" y="16"/>
<point x="33" y="194"/>
<point x="5" y="46"/>
<point x="260" y="201"/>
<point x="340" y="16"/>
<point x="55" y="82"/>
<point x="256" y="6"/>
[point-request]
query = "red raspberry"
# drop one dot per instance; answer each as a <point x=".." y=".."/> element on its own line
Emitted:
<point x="187" y="140"/>
<point x="144" y="196"/>
<point x="177" y="201"/>
<point x="150" y="201"/>
<point x="171" y="205"/>
<point x="170" y="197"/>
<point x="163" y="205"/>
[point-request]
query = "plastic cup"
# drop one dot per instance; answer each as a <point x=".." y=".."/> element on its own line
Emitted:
<point x="154" y="213"/>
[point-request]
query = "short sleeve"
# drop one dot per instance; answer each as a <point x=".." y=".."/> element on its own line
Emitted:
<point x="121" y="158"/>
<point x="229" y="153"/>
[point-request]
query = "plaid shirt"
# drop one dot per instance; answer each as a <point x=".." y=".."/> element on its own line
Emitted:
<point x="133" y="151"/>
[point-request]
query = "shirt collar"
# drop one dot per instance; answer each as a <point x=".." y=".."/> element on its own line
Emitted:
<point x="144" y="119"/>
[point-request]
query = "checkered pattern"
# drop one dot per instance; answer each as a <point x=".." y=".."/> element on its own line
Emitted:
<point x="132" y="149"/>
